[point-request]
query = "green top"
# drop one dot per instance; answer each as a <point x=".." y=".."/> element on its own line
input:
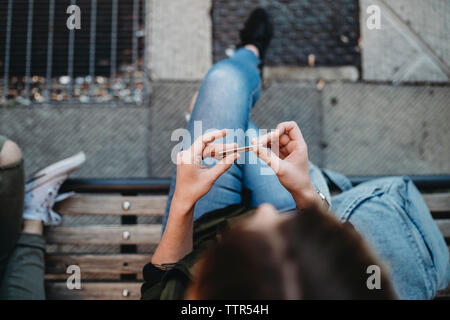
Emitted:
<point x="172" y="284"/>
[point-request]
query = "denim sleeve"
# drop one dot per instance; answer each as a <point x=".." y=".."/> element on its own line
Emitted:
<point x="393" y="218"/>
<point x="319" y="182"/>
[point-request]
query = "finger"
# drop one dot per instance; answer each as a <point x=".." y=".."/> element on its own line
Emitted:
<point x="292" y="129"/>
<point x="268" y="157"/>
<point x="209" y="137"/>
<point x="266" y="139"/>
<point x="223" y="165"/>
<point x="183" y="157"/>
<point x="283" y="153"/>
<point x="214" y="150"/>
<point x="284" y="139"/>
<point x="179" y="157"/>
<point x="201" y="142"/>
<point x="274" y="146"/>
<point x="292" y="146"/>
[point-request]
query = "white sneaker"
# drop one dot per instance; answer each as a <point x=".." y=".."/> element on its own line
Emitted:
<point x="41" y="191"/>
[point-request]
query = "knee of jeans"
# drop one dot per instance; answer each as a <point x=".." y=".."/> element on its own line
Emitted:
<point x="10" y="153"/>
<point x="226" y="75"/>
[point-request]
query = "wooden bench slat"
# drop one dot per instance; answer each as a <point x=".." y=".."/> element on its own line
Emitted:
<point x="139" y="234"/>
<point x="444" y="226"/>
<point x="106" y="235"/>
<point x="104" y="264"/>
<point x="94" y="290"/>
<point x="438" y="202"/>
<point x="79" y="204"/>
<point x="154" y="205"/>
<point x="445" y="293"/>
<point x="86" y="277"/>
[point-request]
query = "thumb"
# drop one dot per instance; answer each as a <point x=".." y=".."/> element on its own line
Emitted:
<point x="222" y="166"/>
<point x="268" y="157"/>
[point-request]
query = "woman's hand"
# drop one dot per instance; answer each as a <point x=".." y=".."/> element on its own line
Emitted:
<point x="195" y="180"/>
<point x="289" y="160"/>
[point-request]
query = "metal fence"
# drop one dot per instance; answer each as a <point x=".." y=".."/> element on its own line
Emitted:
<point x="43" y="61"/>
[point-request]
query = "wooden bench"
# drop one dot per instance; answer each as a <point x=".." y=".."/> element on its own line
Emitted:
<point x="119" y="275"/>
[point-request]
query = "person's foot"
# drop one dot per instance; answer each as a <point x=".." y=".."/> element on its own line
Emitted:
<point x="258" y="31"/>
<point x="42" y="189"/>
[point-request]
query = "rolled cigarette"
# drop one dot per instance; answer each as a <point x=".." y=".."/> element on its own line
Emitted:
<point x="236" y="150"/>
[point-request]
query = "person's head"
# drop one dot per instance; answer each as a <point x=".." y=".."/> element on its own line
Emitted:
<point x="309" y="255"/>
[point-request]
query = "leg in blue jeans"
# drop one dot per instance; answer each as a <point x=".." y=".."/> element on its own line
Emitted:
<point x="262" y="181"/>
<point x="225" y="99"/>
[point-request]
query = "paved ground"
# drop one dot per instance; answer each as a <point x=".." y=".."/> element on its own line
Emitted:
<point x="169" y="103"/>
<point x="179" y="39"/>
<point x="380" y="129"/>
<point x="114" y="140"/>
<point x="412" y="44"/>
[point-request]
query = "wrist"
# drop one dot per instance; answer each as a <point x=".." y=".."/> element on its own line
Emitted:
<point x="182" y="203"/>
<point x="307" y="198"/>
<point x="33" y="227"/>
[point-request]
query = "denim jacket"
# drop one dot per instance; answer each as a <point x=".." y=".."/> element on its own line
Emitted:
<point x="392" y="216"/>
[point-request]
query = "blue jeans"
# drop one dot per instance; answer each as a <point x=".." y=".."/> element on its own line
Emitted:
<point x="225" y="100"/>
<point x="394" y="219"/>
